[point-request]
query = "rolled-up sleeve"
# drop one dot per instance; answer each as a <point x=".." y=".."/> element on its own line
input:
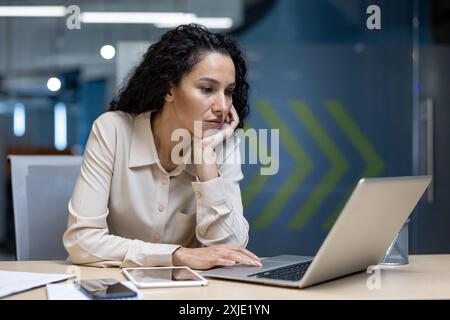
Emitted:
<point x="87" y="238"/>
<point x="220" y="218"/>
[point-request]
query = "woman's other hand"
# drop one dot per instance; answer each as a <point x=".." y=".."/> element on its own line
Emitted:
<point x="214" y="256"/>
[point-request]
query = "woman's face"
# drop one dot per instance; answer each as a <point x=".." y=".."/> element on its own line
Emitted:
<point x="205" y="93"/>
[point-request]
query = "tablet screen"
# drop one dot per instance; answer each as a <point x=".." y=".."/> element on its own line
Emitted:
<point x="166" y="274"/>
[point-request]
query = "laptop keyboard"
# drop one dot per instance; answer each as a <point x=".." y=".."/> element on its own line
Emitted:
<point x="293" y="272"/>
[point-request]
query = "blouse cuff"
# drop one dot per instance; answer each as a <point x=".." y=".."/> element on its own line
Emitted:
<point x="145" y="254"/>
<point x="209" y="192"/>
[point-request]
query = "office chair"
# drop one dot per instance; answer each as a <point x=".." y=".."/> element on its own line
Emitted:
<point x="41" y="189"/>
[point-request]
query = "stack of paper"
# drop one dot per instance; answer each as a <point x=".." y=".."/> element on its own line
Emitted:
<point x="13" y="282"/>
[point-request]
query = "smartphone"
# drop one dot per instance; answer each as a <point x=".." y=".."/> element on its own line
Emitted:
<point x="100" y="289"/>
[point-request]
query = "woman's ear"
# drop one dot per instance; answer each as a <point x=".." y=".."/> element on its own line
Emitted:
<point x="169" y="96"/>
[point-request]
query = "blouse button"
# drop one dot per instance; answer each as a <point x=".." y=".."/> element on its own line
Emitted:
<point x="164" y="182"/>
<point x="161" y="208"/>
<point x="157" y="236"/>
<point x="198" y="193"/>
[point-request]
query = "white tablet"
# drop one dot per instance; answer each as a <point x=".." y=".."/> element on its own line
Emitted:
<point x="151" y="277"/>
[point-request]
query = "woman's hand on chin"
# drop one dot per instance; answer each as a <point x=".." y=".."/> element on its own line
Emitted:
<point x="204" y="148"/>
<point x="226" y="131"/>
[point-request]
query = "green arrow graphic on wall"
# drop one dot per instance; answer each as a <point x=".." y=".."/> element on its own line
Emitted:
<point x="296" y="151"/>
<point x="374" y="163"/>
<point x="258" y="181"/>
<point x="337" y="170"/>
<point x="338" y="163"/>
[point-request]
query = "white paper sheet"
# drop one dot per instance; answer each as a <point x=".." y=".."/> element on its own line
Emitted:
<point x="13" y="281"/>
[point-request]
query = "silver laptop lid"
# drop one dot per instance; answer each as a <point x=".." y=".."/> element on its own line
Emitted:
<point x="370" y="220"/>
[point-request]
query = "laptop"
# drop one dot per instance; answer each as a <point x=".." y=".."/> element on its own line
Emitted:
<point x="360" y="237"/>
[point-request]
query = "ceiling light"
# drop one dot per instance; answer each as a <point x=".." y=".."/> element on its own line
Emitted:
<point x="212" y="23"/>
<point x="32" y="11"/>
<point x="54" y="84"/>
<point x="160" y="19"/>
<point x="60" y="125"/>
<point x="19" y="119"/>
<point x="107" y="52"/>
<point x="136" y="17"/>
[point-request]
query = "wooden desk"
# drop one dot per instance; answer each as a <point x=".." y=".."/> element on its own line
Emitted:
<point x="426" y="277"/>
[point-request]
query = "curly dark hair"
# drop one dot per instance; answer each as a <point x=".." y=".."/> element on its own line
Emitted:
<point x="165" y="63"/>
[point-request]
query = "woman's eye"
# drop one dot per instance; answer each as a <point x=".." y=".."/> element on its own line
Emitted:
<point x="229" y="93"/>
<point x="206" y="90"/>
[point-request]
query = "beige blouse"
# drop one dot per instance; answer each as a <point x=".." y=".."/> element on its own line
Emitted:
<point x="126" y="210"/>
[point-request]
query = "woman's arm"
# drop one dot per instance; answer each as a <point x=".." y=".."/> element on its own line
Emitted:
<point x="220" y="218"/>
<point x="221" y="226"/>
<point x="87" y="239"/>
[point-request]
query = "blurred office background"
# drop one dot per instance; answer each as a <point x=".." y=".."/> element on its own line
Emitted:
<point x="349" y="101"/>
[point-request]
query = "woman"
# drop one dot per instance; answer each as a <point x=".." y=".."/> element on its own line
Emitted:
<point x="133" y="205"/>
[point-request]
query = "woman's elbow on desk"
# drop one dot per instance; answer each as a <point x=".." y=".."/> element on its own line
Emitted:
<point x="77" y="254"/>
<point x="80" y="252"/>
